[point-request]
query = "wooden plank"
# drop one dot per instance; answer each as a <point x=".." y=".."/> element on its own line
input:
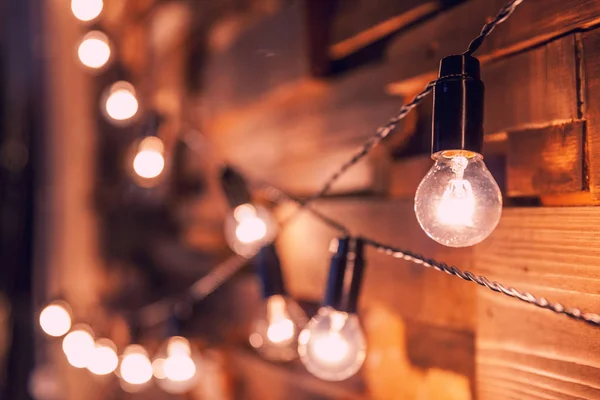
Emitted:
<point x="530" y="352"/>
<point x="546" y="161"/>
<point x="406" y="174"/>
<point x="407" y="289"/>
<point x="308" y="129"/>
<point x="532" y="89"/>
<point x="590" y="48"/>
<point x="425" y="45"/>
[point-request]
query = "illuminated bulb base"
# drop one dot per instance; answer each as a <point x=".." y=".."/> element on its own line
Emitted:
<point x="332" y="346"/>
<point x="248" y="228"/>
<point x="458" y="203"/>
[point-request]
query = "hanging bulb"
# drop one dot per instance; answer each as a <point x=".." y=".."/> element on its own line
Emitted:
<point x="249" y="227"/>
<point x="94" y="50"/>
<point x="332" y="346"/>
<point x="103" y="358"/>
<point x="79" y="346"/>
<point x="276" y="329"/>
<point x="86" y="10"/>
<point x="120" y="102"/>
<point x="176" y="366"/>
<point x="55" y="319"/>
<point x="135" y="369"/>
<point x="458" y="203"/>
<point x="149" y="160"/>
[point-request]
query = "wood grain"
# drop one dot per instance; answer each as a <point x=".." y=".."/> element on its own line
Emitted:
<point x="590" y="44"/>
<point x="530" y="353"/>
<point x="535" y="88"/>
<point x="442" y="35"/>
<point x="546" y="161"/>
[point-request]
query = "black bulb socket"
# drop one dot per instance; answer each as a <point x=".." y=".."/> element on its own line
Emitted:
<point x="270" y="272"/>
<point x="235" y="187"/>
<point x="334" y="291"/>
<point x="458" y="98"/>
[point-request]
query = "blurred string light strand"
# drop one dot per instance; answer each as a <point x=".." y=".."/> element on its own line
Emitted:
<point x="223" y="271"/>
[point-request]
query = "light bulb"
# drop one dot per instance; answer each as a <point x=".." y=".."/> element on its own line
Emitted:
<point x="86" y="10"/>
<point x="332" y="346"/>
<point x="176" y="366"/>
<point x="136" y="368"/>
<point x="458" y="203"/>
<point x="120" y="101"/>
<point x="149" y="161"/>
<point x="55" y="319"/>
<point x="79" y="346"/>
<point x="249" y="227"/>
<point x="276" y="329"/>
<point x="94" y="50"/>
<point x="103" y="358"/>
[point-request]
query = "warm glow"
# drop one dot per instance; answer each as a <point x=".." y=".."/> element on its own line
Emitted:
<point x="331" y="348"/>
<point x="148" y="164"/>
<point x="457" y="206"/>
<point x="251" y="229"/>
<point x="158" y="368"/>
<point x="179" y="368"/>
<point x="121" y="103"/>
<point x="94" y="50"/>
<point x="55" y="319"/>
<point x="79" y="346"/>
<point x="179" y="346"/>
<point x="103" y="359"/>
<point x="86" y="10"/>
<point x="136" y="368"/>
<point x="281" y="329"/>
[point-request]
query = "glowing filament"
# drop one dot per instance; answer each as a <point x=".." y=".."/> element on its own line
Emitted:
<point x="457" y="205"/>
<point x="250" y="227"/>
<point x="281" y="328"/>
<point x="332" y="348"/>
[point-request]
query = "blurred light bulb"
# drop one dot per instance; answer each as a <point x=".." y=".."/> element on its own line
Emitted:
<point x="121" y="103"/>
<point x="94" y="50"/>
<point x="276" y="329"/>
<point x="458" y="203"/>
<point x="176" y="367"/>
<point x="104" y="358"/>
<point x="248" y="228"/>
<point x="136" y="368"/>
<point x="86" y="10"/>
<point x="149" y="161"/>
<point x="55" y="319"/>
<point x="79" y="346"/>
<point x="332" y="346"/>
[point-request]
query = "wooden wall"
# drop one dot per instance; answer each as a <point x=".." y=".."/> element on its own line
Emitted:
<point x="432" y="336"/>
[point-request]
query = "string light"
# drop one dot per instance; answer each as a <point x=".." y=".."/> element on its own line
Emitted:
<point x="79" y="346"/>
<point x="121" y="102"/>
<point x="86" y="10"/>
<point x="332" y="346"/>
<point x="458" y="203"/>
<point x="94" y="50"/>
<point x="176" y="366"/>
<point x="55" y="319"/>
<point x="280" y="319"/>
<point x="149" y="160"/>
<point x="103" y="359"/>
<point x="135" y="369"/>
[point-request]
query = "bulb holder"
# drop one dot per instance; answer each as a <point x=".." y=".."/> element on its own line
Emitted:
<point x="458" y="106"/>
<point x="358" y="267"/>
<point x="270" y="272"/>
<point x="151" y="124"/>
<point x="337" y="271"/>
<point x="235" y="187"/>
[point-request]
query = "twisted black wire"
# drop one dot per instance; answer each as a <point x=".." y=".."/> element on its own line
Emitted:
<point x="502" y="16"/>
<point x="541" y="302"/>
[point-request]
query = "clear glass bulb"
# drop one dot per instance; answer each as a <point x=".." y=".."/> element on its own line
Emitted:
<point x="276" y="329"/>
<point x="176" y="366"/>
<point x="94" y="50"/>
<point x="104" y="358"/>
<point x="248" y="228"/>
<point x="78" y="346"/>
<point x="55" y="319"/>
<point x="332" y="346"/>
<point x="135" y="369"/>
<point x="458" y="203"/>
